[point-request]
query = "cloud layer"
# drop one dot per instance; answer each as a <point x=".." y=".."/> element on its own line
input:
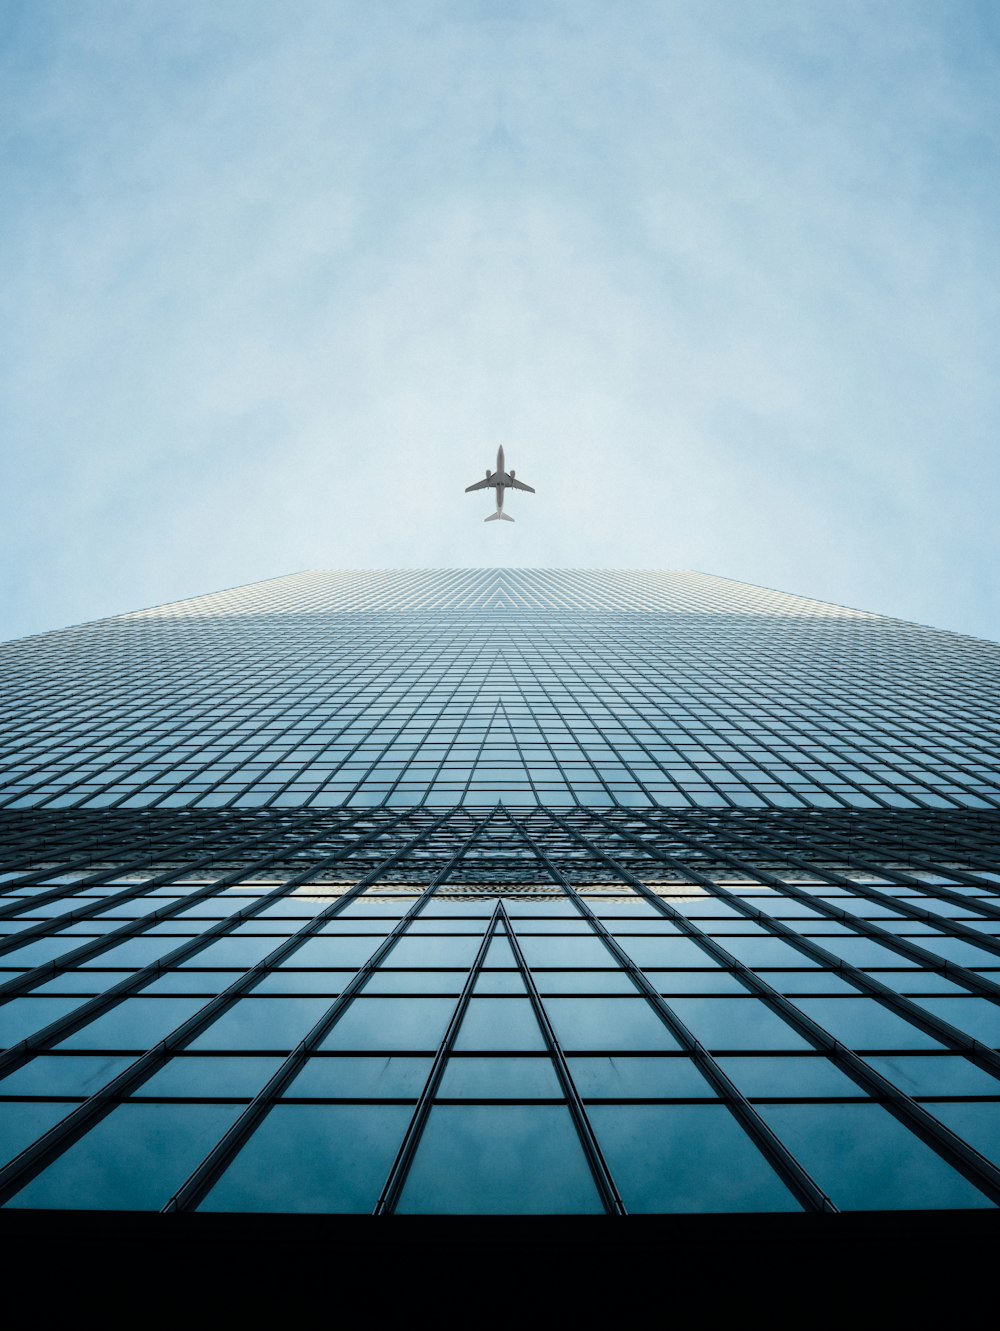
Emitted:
<point x="722" y="280"/>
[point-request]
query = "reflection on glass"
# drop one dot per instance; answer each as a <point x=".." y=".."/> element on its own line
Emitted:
<point x="500" y="1079"/>
<point x="373" y="1078"/>
<point x="313" y="1158"/>
<point x="499" y="1159"/>
<point x="866" y="1160"/>
<point x="625" y="1078"/>
<point x="391" y="1023"/>
<point x="133" y="1160"/>
<point x="677" y="1158"/>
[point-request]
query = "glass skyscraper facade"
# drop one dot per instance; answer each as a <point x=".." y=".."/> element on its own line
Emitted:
<point x="500" y="892"/>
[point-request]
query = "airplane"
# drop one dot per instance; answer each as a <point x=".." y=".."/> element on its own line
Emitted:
<point x="499" y="480"/>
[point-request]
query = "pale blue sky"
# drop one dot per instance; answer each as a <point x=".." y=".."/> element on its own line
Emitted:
<point x="723" y="279"/>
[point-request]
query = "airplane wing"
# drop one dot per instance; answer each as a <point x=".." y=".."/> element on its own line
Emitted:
<point x="488" y="484"/>
<point x="519" y="485"/>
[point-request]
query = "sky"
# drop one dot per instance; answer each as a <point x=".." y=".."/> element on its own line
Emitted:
<point x="723" y="279"/>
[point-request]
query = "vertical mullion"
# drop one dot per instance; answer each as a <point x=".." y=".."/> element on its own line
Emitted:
<point x="396" y="1178"/>
<point x="606" y="1186"/>
<point x="202" y="1178"/>
<point x="795" y="1177"/>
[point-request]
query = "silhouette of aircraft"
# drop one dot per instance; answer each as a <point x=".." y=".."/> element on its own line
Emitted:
<point x="500" y="480"/>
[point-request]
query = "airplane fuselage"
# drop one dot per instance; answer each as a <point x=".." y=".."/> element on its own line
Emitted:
<point x="500" y="477"/>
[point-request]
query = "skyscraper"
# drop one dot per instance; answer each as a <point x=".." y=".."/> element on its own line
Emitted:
<point x="500" y="892"/>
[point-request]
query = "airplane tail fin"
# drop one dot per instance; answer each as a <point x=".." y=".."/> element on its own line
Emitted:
<point x="504" y="517"/>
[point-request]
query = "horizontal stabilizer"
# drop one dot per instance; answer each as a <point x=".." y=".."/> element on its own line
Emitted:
<point x="502" y="516"/>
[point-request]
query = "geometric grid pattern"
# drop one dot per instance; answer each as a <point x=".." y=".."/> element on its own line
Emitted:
<point x="551" y="688"/>
<point x="500" y="1010"/>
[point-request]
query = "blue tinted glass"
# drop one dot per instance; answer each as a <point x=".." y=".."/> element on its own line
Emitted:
<point x="977" y="1017"/>
<point x="313" y="1158"/>
<point x="78" y="1076"/>
<point x="499" y="1159"/>
<point x="946" y="1075"/>
<point x="551" y="950"/>
<point x="81" y="982"/>
<point x="192" y="982"/>
<point x="136" y="1023"/>
<point x="262" y="1023"/>
<point x="245" y="950"/>
<point x="676" y="1158"/>
<point x="454" y="950"/>
<point x="391" y="1023"/>
<point x="808" y="982"/>
<point x="584" y="982"/>
<point x="415" y="982"/>
<point x="500" y="1079"/>
<point x="330" y="983"/>
<point x="625" y="1078"/>
<point x="21" y="1017"/>
<point x="666" y="953"/>
<point x="211" y="1078"/>
<point x="372" y="1078"/>
<point x="696" y="982"/>
<point x="736" y="1023"/>
<point x="331" y="953"/>
<point x="499" y="1023"/>
<point x="766" y="952"/>
<point x="133" y="1160"/>
<point x="795" y="1077"/>
<point x="607" y="1023"/>
<point x="499" y="982"/>
<point x="978" y="1124"/>
<point x="21" y="1124"/>
<point x="866" y="1160"/>
<point x="863" y="1023"/>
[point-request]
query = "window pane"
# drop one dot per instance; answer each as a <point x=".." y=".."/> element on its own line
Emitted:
<point x="867" y="1160"/>
<point x="795" y="1077"/>
<point x="500" y="1079"/>
<point x="211" y="1078"/>
<point x="499" y="1159"/>
<point x="136" y="1023"/>
<point x="499" y="1023"/>
<point x="736" y="1023"/>
<point x="608" y="1023"/>
<point x="391" y="1023"/>
<point x="676" y="1158"/>
<point x="373" y="1078"/>
<point x="263" y="1023"/>
<point x="79" y="1076"/>
<point x="948" y="1075"/>
<point x="624" y="1078"/>
<point x="133" y="1160"/>
<point x="313" y="1158"/>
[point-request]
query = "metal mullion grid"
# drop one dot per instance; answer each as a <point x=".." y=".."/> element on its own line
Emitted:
<point x="958" y="1153"/>
<point x="360" y="783"/>
<point x="543" y="688"/>
<point x="735" y="706"/>
<point x="204" y="1176"/>
<point x="459" y="683"/>
<point x="134" y="928"/>
<point x="40" y="1154"/>
<point x="400" y="1168"/>
<point x="938" y="892"/>
<point x="606" y="1186"/>
<point x="21" y="846"/>
<point x="801" y="1184"/>
<point x="868" y="929"/>
<point x="394" y="663"/>
<point x="211" y="712"/>
<point x="156" y="699"/>
<point x="972" y="841"/>
<point x="545" y="691"/>
<point x="105" y="903"/>
<point x="664" y="774"/>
